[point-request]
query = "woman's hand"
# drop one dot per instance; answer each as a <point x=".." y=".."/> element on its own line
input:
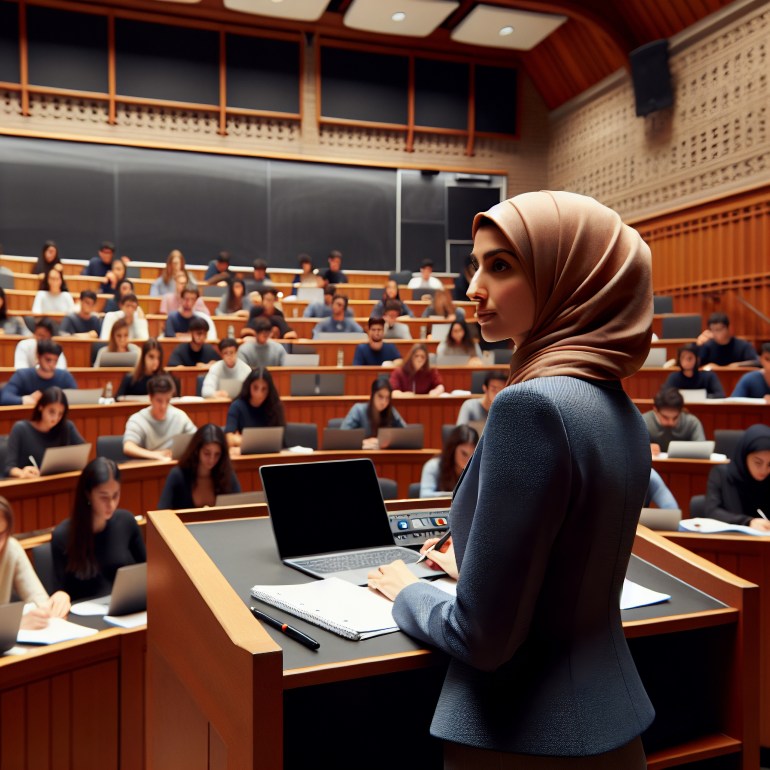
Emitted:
<point x="58" y="604"/>
<point x="391" y="579"/>
<point x="29" y="472"/>
<point x="35" y="619"/>
<point x="442" y="558"/>
<point x="371" y="443"/>
<point x="763" y="525"/>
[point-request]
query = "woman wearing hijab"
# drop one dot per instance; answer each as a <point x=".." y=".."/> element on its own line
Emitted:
<point x="544" y="515"/>
<point x="738" y="491"/>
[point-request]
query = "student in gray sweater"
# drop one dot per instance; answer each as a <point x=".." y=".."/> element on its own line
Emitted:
<point x="477" y="409"/>
<point x="263" y="352"/>
<point x="149" y="432"/>
<point x="231" y="367"/>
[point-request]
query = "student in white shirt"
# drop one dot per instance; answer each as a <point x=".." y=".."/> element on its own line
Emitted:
<point x="138" y="328"/>
<point x="25" y="354"/>
<point x="231" y="367"/>
<point x="426" y="279"/>
<point x="53" y="296"/>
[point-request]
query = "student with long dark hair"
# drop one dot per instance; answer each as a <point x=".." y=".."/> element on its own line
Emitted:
<point x="98" y="538"/>
<point x="460" y="342"/>
<point x="118" y="342"/>
<point x="48" y="260"/>
<point x="690" y="376"/>
<point x="47" y="427"/>
<point x="204" y="471"/>
<point x="258" y="406"/>
<point x="149" y="364"/>
<point x="378" y="412"/>
<point x="11" y="324"/>
<point x="18" y="576"/>
<point x="53" y="296"/>
<point x="441" y="474"/>
<point x="391" y="294"/>
<point x="416" y="376"/>
<point x="235" y="301"/>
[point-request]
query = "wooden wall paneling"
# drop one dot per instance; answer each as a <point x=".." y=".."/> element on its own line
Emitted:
<point x="111" y="71"/>
<point x="23" y="58"/>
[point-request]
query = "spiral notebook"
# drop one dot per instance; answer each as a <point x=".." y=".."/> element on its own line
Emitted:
<point x="336" y="605"/>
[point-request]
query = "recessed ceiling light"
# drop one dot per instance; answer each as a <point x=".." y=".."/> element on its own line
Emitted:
<point x="504" y="31"/>
<point x="276" y="1"/>
<point x="398" y="16"/>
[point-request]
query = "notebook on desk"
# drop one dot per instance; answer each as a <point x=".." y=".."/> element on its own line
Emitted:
<point x="329" y="519"/>
<point x="63" y="459"/>
<point x="262" y="441"/>
<point x="10" y="620"/>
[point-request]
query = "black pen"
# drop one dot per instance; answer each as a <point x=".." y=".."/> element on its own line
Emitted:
<point x="436" y="545"/>
<point x="290" y="631"/>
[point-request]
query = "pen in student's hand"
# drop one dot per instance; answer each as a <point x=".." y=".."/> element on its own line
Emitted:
<point x="436" y="545"/>
<point x="290" y="631"/>
<point x="762" y="514"/>
<point x="34" y="462"/>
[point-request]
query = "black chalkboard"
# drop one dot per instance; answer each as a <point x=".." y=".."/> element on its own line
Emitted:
<point x="262" y="74"/>
<point x="441" y="94"/>
<point x="158" y="61"/>
<point x="359" y="85"/>
<point x="497" y="95"/>
<point x="423" y="240"/>
<point x="9" y="42"/>
<point x="315" y="208"/>
<point x="67" y="50"/>
<point x="423" y="197"/>
<point x="463" y="203"/>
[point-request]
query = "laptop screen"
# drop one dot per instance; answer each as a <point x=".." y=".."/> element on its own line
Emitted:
<point x="325" y="506"/>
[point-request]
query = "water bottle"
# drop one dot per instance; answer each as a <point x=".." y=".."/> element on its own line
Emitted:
<point x="231" y="331"/>
<point x="340" y="357"/>
<point x="107" y="395"/>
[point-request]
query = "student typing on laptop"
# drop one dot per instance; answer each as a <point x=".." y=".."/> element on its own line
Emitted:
<point x="544" y="516"/>
<point x="18" y="575"/>
<point x="441" y="474"/>
<point x="98" y="538"/>
<point x="149" y="364"/>
<point x="47" y="427"/>
<point x="690" y="376"/>
<point x="149" y="431"/>
<point x="257" y="406"/>
<point x="376" y="413"/>
<point x="230" y="368"/>
<point x="669" y="422"/>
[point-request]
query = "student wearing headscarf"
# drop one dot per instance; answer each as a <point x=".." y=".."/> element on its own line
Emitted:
<point x="544" y="515"/>
<point x="737" y="491"/>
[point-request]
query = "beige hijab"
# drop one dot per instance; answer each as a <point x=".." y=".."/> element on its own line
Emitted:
<point x="591" y="277"/>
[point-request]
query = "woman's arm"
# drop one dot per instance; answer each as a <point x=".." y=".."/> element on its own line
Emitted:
<point x="37" y="303"/>
<point x="18" y="466"/>
<point x="353" y="419"/>
<point x="429" y="478"/>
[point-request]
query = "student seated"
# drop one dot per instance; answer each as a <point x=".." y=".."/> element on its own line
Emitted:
<point x="756" y="384"/>
<point x="376" y="352"/>
<point x="218" y="269"/>
<point x="203" y="472"/>
<point x="98" y="538"/>
<point x="268" y="310"/>
<point x="718" y="346"/>
<point x="441" y="474"/>
<point x="112" y="305"/>
<point x="658" y="493"/>
<point x="441" y="306"/>
<point x="18" y="576"/>
<point x="323" y="309"/>
<point x="25" y="354"/>
<point x="333" y="273"/>
<point x="118" y="342"/>
<point x="26" y="386"/>
<point x="668" y="422"/>
<point x="53" y="296"/>
<point x="114" y="276"/>
<point x="393" y="295"/>
<point x="165" y="283"/>
<point x="149" y="364"/>
<point x="231" y="367"/>
<point x="394" y="329"/>
<point x="49" y="259"/>
<point x="460" y="342"/>
<point x="47" y="427"/>
<point x="477" y="409"/>
<point x="690" y="376"/>
<point x="149" y="431"/>
<point x="307" y="275"/>
<point x="235" y="301"/>
<point x="337" y="321"/>
<point x="259" y="282"/>
<point x="83" y="321"/>
<point x="258" y="406"/>
<point x="425" y="278"/>
<point x="99" y="265"/>
<point x="377" y="413"/>
<point x="131" y="313"/>
<point x="739" y="490"/>
<point x="173" y="300"/>
<point x="196" y="352"/>
<point x="261" y="351"/>
<point x="178" y="322"/>
<point x="11" y="324"/>
<point x="416" y="376"/>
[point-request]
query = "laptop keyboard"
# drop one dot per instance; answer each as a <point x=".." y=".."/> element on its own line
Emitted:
<point x="358" y="560"/>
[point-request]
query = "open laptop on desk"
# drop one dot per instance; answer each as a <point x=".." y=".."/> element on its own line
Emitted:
<point x="10" y="620"/>
<point x="63" y="459"/>
<point x="410" y="437"/>
<point x="179" y="444"/>
<point x="83" y="396"/>
<point x="129" y="594"/>
<point x="262" y="441"/>
<point x="690" y="450"/>
<point x="337" y="439"/>
<point x="329" y="519"/>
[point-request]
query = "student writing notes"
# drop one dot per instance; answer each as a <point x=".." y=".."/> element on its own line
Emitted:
<point x="545" y="514"/>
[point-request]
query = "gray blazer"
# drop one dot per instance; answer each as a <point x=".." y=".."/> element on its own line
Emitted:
<point x="543" y="521"/>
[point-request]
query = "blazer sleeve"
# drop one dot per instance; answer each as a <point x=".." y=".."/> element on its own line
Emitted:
<point x="717" y="491"/>
<point x="524" y="448"/>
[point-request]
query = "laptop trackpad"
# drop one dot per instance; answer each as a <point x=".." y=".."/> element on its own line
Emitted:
<point x="360" y="576"/>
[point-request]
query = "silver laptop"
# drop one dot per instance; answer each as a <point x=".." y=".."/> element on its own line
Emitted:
<point x="439" y="331"/>
<point x="343" y="438"/>
<point x="262" y="441"/>
<point x="240" y="498"/>
<point x="694" y="395"/>
<point x="179" y="444"/>
<point x="656" y="357"/>
<point x="411" y="437"/>
<point x="665" y="519"/>
<point x="129" y="591"/>
<point x="690" y="450"/>
<point x="85" y="396"/>
<point x="231" y="386"/>
<point x="341" y="336"/>
<point x="302" y="359"/>
<point x="332" y="535"/>
<point x="452" y="360"/>
<point x="118" y="359"/>
<point x="310" y="293"/>
<point x="327" y="384"/>
<point x="10" y="620"/>
<point x="63" y="459"/>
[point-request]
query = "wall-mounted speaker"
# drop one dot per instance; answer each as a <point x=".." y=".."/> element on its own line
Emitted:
<point x="651" y="77"/>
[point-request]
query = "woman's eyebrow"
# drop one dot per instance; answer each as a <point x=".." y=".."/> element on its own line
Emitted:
<point x="494" y="252"/>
